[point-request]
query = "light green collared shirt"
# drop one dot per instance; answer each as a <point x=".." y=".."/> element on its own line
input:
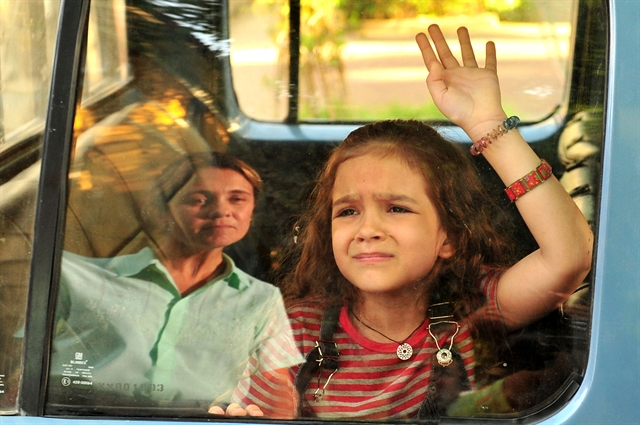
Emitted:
<point x="122" y="326"/>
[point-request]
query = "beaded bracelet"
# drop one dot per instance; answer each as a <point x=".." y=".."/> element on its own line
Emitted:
<point x="528" y="182"/>
<point x="508" y="124"/>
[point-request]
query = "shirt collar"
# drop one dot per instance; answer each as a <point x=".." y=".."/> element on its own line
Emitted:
<point x="132" y="264"/>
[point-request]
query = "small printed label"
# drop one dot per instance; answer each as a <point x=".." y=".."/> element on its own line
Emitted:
<point x="77" y="371"/>
<point x="66" y="381"/>
<point x="126" y="386"/>
<point x="1" y="383"/>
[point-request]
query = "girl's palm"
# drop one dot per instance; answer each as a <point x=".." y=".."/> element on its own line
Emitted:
<point x="467" y="95"/>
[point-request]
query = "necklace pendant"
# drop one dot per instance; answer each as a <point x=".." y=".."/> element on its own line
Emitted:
<point x="444" y="357"/>
<point x="404" y="351"/>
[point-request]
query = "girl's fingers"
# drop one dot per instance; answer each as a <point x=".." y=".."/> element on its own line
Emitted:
<point x="428" y="55"/>
<point x="468" y="57"/>
<point x="216" y="410"/>
<point x="445" y="55"/>
<point x="235" y="409"/>
<point x="254" y="410"/>
<point x="434" y="81"/>
<point x="491" y="61"/>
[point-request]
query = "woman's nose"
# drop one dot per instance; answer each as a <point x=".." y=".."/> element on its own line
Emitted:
<point x="218" y="209"/>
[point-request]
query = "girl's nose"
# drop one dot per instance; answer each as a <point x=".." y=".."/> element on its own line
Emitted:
<point x="370" y="228"/>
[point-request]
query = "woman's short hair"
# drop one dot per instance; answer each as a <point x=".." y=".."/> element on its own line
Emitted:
<point x="180" y="171"/>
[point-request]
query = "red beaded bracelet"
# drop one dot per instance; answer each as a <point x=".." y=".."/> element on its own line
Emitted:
<point x="528" y="182"/>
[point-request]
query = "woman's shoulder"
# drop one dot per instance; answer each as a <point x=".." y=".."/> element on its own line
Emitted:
<point x="242" y="281"/>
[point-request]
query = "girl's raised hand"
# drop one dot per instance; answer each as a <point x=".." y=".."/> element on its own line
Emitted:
<point x="467" y="95"/>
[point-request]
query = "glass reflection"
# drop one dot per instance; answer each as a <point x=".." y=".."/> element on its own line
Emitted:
<point x="126" y="207"/>
<point x="177" y="322"/>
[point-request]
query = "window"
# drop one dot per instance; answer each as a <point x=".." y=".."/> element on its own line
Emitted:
<point x="349" y="52"/>
<point x="25" y="74"/>
<point x="25" y="78"/>
<point x="174" y="93"/>
<point x="24" y="90"/>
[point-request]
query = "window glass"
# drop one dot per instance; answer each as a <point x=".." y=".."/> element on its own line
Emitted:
<point x="150" y="312"/>
<point x="259" y="61"/>
<point x="25" y="75"/>
<point x="181" y="213"/>
<point x="107" y="66"/>
<point x="24" y="90"/>
<point x="352" y="51"/>
<point x="25" y="72"/>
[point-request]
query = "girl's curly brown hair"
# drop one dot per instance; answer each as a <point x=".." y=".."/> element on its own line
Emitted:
<point x="466" y="212"/>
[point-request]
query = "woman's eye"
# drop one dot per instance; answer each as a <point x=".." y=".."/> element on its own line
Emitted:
<point x="397" y="209"/>
<point x="196" y="200"/>
<point x="237" y="199"/>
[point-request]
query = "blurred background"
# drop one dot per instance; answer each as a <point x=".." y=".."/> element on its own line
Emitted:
<point x="359" y="61"/>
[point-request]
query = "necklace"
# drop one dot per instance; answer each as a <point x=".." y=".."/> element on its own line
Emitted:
<point x="405" y="350"/>
<point x="444" y="356"/>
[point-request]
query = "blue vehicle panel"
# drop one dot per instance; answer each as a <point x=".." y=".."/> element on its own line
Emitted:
<point x="608" y="390"/>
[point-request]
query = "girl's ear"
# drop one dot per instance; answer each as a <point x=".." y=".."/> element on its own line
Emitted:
<point x="447" y="249"/>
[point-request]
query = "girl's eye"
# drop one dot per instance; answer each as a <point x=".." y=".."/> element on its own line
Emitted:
<point x="347" y="212"/>
<point x="397" y="209"/>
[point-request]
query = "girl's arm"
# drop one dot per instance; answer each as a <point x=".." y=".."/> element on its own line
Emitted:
<point x="470" y="97"/>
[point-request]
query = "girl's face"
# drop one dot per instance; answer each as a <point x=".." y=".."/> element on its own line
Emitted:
<point x="386" y="234"/>
<point x="213" y="209"/>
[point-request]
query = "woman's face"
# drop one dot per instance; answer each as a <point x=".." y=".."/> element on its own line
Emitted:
<point x="386" y="234"/>
<point x="212" y="210"/>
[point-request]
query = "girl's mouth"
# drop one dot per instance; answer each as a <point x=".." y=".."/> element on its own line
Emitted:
<point x="372" y="257"/>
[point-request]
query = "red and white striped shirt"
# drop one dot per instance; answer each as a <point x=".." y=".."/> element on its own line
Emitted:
<point x="372" y="382"/>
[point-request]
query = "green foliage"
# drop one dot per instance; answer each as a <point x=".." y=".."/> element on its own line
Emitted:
<point x="513" y="10"/>
<point x="321" y="66"/>
<point x="373" y="113"/>
<point x="427" y="111"/>
<point x="355" y="11"/>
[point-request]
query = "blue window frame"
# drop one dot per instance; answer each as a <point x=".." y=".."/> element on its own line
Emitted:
<point x="600" y="113"/>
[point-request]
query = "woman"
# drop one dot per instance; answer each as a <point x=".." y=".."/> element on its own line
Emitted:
<point x="180" y="323"/>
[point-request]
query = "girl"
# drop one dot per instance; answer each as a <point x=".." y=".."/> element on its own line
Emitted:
<point x="412" y="231"/>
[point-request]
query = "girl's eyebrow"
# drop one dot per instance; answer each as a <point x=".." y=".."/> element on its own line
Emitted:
<point x="345" y="200"/>
<point x="394" y="197"/>
<point x="388" y="197"/>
